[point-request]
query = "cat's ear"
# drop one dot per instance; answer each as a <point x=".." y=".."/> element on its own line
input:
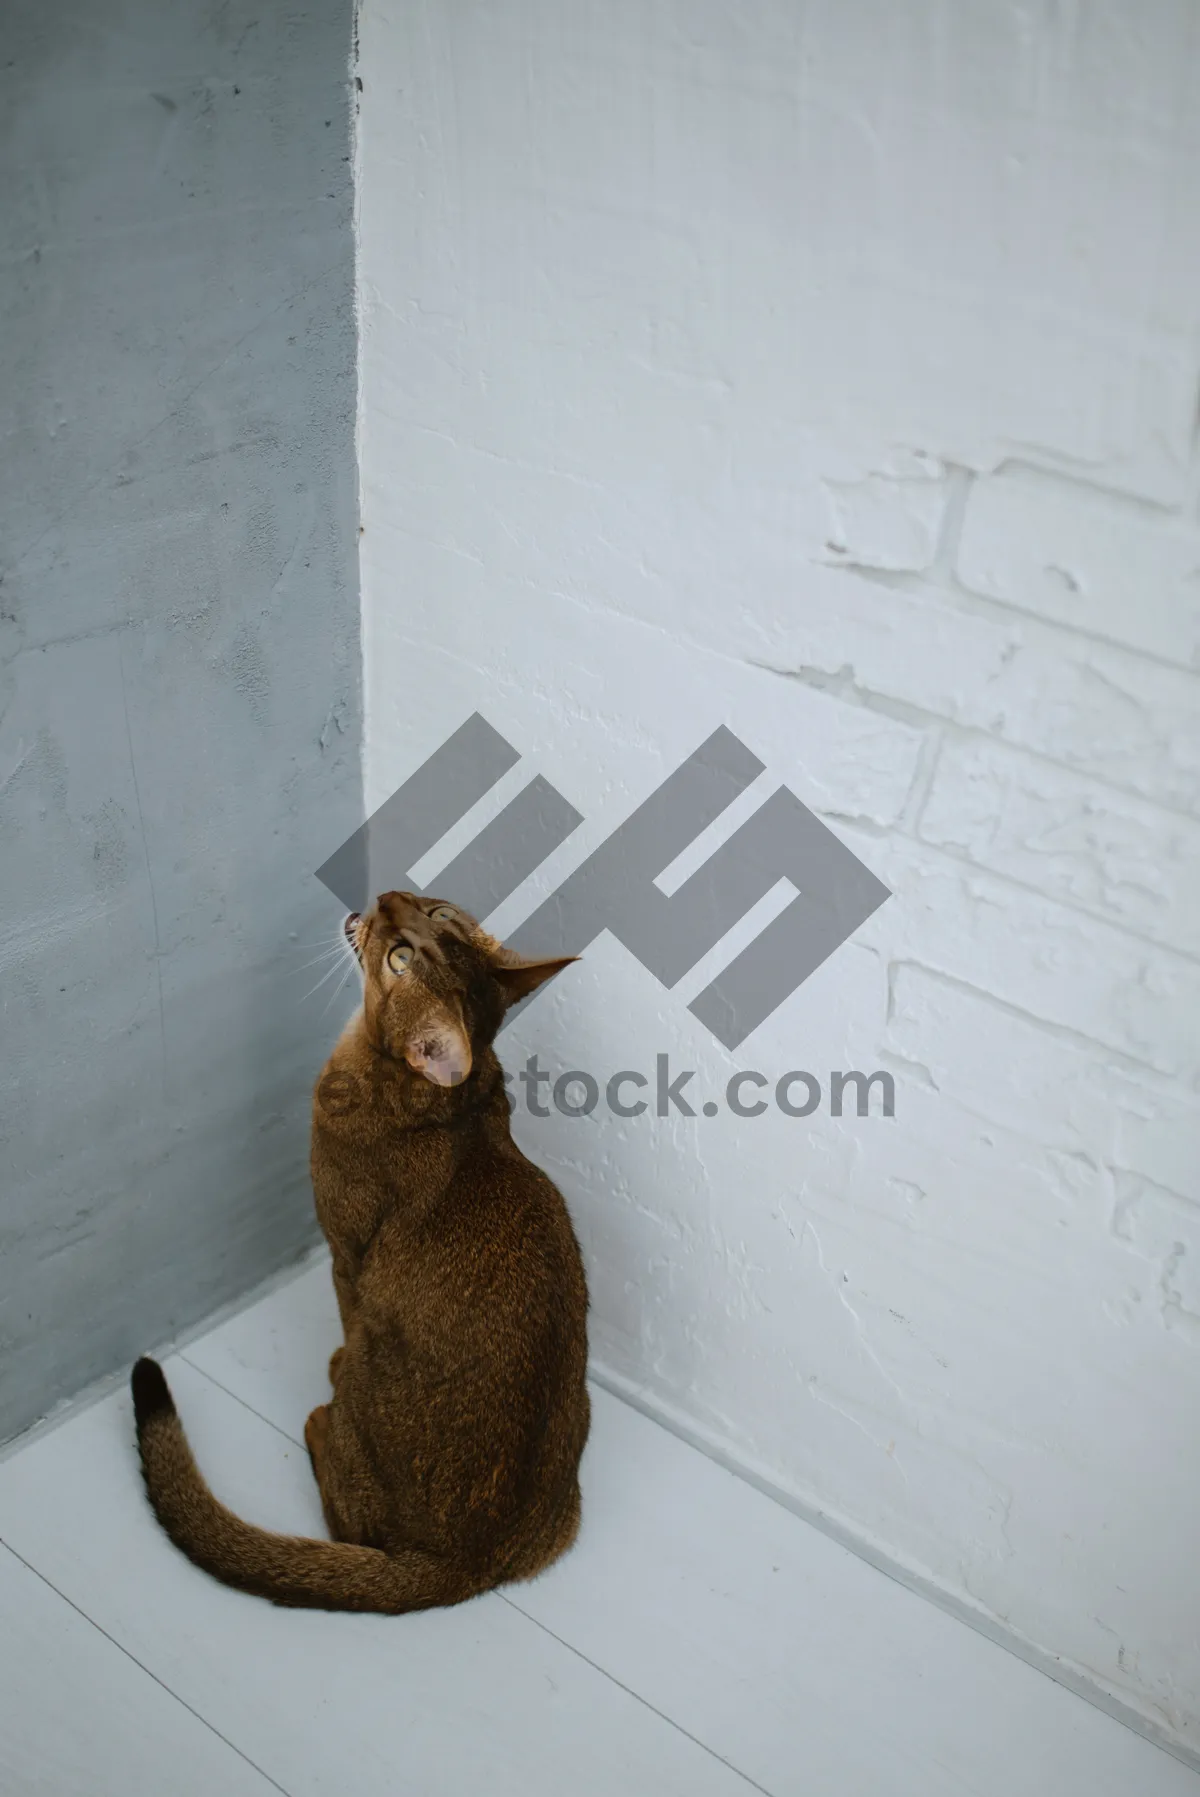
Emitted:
<point x="441" y="1051"/>
<point x="518" y="978"/>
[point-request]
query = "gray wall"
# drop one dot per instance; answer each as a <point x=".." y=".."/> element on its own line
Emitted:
<point x="179" y="667"/>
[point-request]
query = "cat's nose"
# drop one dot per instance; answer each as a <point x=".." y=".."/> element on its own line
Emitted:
<point x="350" y="926"/>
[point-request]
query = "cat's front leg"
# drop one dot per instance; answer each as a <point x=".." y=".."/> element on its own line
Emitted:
<point x="347" y="1303"/>
<point x="344" y="1292"/>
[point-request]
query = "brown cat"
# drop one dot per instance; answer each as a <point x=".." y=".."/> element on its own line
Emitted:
<point x="448" y="1457"/>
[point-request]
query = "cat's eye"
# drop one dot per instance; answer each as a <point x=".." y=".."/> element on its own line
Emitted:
<point x="399" y="957"/>
<point x="443" y="914"/>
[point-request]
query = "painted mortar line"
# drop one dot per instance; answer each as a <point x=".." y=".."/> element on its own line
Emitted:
<point x="841" y="686"/>
<point x="912" y="833"/>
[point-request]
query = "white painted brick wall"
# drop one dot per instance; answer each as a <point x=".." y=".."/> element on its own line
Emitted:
<point x="1075" y="838"/>
<point x="1090" y="560"/>
<point x="831" y="372"/>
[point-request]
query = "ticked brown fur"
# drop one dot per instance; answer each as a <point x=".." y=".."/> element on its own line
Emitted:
<point x="447" y="1458"/>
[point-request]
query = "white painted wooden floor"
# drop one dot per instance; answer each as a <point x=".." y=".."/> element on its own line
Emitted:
<point x="699" y="1640"/>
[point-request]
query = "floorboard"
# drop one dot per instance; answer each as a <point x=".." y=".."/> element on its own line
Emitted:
<point x="78" y="1718"/>
<point x="698" y="1639"/>
<point x="469" y="1700"/>
<point x="791" y="1658"/>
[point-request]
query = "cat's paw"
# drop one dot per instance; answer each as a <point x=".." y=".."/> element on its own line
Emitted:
<point x="316" y="1429"/>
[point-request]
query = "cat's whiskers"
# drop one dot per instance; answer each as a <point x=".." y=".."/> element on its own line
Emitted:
<point x="335" y="951"/>
<point x="328" y="975"/>
<point x="330" y="954"/>
<point x="339" y="955"/>
<point x="341" y="983"/>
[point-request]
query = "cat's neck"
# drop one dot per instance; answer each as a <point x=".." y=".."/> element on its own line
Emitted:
<point x="364" y="1075"/>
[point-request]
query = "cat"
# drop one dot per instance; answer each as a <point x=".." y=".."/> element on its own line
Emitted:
<point x="448" y="1457"/>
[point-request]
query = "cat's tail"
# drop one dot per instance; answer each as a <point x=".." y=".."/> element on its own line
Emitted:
<point x="317" y="1575"/>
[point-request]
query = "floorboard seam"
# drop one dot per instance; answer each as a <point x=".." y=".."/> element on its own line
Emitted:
<point x="296" y="1441"/>
<point x="637" y="1696"/>
<point x="1080" y="1684"/>
<point x="664" y="1417"/>
<point x="579" y="1655"/>
<point x="133" y="1659"/>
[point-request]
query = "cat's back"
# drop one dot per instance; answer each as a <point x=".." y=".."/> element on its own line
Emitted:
<point x="494" y="1254"/>
<point x="506" y="1231"/>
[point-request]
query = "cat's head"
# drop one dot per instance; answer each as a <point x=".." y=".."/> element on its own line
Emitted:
<point x="435" y="985"/>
